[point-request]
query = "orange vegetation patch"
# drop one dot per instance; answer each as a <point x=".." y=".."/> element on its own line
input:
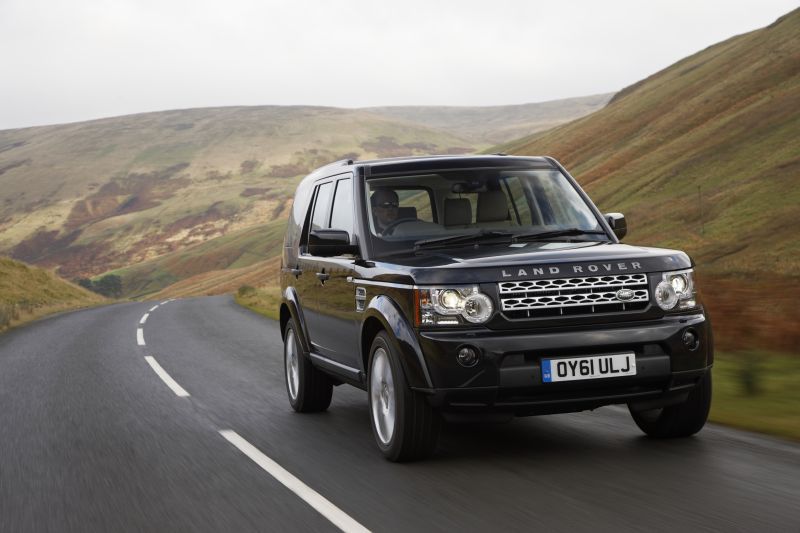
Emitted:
<point x="135" y="192"/>
<point x="747" y="313"/>
<point x="253" y="191"/>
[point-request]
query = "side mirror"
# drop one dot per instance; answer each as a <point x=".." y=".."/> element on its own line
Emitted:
<point x="330" y="242"/>
<point x="617" y="223"/>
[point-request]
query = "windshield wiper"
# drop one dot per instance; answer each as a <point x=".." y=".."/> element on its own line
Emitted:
<point x="453" y="239"/>
<point x="568" y="232"/>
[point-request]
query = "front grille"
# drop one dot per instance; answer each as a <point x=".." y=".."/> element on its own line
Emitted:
<point x="572" y="296"/>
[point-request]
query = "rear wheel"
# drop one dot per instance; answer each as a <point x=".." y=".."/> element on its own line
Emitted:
<point x="405" y="426"/>
<point x="309" y="389"/>
<point x="680" y="420"/>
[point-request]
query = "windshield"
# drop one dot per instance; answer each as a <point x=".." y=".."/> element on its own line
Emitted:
<point x="484" y="207"/>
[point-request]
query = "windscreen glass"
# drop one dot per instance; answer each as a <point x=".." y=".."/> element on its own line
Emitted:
<point x="406" y="213"/>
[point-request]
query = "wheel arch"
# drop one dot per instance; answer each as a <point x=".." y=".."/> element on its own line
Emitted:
<point x="383" y="314"/>
<point x="291" y="311"/>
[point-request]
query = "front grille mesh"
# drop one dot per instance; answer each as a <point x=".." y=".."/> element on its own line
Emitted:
<point x="572" y="296"/>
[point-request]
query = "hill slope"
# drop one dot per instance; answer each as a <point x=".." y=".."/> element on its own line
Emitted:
<point x="28" y="292"/>
<point x="96" y="196"/>
<point x="496" y="124"/>
<point x="704" y="155"/>
<point x="99" y="195"/>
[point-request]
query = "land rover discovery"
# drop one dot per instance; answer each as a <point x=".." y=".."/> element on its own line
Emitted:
<point x="483" y="287"/>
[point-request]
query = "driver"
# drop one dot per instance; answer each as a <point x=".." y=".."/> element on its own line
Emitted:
<point x="385" y="208"/>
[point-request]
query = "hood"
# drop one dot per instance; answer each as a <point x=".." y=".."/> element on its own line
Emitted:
<point x="540" y="260"/>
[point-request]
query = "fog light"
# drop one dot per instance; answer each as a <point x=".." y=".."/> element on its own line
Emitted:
<point x="690" y="339"/>
<point x="467" y="356"/>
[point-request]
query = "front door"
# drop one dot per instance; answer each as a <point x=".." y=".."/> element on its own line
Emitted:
<point x="330" y="310"/>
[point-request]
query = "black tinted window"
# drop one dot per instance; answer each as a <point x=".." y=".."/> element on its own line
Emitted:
<point x="342" y="211"/>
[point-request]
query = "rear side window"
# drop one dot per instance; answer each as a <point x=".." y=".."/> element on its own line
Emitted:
<point x="342" y="210"/>
<point x="319" y="218"/>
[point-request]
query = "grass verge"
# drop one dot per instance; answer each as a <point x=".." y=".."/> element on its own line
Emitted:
<point x="29" y="293"/>
<point x="758" y="391"/>
<point x="263" y="300"/>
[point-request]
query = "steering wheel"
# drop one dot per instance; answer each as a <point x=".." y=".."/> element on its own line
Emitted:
<point x="389" y="229"/>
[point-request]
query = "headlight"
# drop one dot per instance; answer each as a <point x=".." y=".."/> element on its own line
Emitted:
<point x="451" y="306"/>
<point x="676" y="291"/>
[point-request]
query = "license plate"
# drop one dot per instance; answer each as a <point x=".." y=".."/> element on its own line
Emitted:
<point x="591" y="367"/>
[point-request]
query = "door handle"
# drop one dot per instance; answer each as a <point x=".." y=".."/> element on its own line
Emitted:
<point x="295" y="272"/>
<point x="323" y="277"/>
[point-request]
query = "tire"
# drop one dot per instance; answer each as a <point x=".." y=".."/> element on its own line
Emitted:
<point x="405" y="425"/>
<point x="682" y="420"/>
<point x="309" y="389"/>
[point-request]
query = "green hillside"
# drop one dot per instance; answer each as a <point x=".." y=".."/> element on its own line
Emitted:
<point x="705" y="156"/>
<point x="99" y="195"/>
<point x="28" y="292"/>
<point x="96" y="196"/>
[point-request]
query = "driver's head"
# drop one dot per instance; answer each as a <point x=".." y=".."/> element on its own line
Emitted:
<point x="385" y="206"/>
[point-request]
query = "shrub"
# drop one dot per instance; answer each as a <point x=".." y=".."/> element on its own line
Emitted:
<point x="86" y="283"/>
<point x="5" y="314"/>
<point x="750" y="374"/>
<point x="249" y="166"/>
<point x="246" y="290"/>
<point x="110" y="286"/>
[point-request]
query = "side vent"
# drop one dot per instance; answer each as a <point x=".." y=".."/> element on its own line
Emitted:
<point x="361" y="299"/>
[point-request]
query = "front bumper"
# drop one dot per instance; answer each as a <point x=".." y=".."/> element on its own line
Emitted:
<point x="508" y="377"/>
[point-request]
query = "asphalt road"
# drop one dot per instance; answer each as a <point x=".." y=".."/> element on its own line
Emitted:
<point x="94" y="440"/>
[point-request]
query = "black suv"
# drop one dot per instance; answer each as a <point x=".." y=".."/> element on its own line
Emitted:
<point x="483" y="287"/>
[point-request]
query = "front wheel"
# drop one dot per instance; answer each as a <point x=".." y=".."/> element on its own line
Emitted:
<point x="405" y="425"/>
<point x="680" y="420"/>
<point x="309" y="389"/>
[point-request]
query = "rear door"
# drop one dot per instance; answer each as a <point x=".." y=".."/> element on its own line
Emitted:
<point x="307" y="281"/>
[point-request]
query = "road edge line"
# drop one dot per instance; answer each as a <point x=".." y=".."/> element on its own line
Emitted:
<point x="313" y="498"/>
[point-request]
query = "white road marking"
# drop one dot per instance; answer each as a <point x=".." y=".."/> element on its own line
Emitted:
<point x="324" y="507"/>
<point x="144" y="318"/>
<point x="140" y="336"/>
<point x="153" y="308"/>
<point x="166" y="378"/>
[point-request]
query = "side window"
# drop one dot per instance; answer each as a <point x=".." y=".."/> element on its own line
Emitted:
<point x="342" y="210"/>
<point x="319" y="219"/>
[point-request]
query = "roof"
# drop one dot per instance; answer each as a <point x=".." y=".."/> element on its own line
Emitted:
<point x="395" y="165"/>
<point x="449" y="162"/>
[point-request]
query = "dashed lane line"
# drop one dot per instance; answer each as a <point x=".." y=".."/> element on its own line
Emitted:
<point x="318" y="502"/>
<point x="166" y="378"/>
<point x="313" y="498"/>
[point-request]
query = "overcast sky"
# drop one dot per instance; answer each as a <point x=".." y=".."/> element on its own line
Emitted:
<point x="72" y="60"/>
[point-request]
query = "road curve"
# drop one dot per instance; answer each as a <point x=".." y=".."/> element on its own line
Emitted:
<point x="113" y="420"/>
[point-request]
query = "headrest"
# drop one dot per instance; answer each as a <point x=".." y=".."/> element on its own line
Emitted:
<point x="407" y="212"/>
<point x="492" y="206"/>
<point x="457" y="212"/>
